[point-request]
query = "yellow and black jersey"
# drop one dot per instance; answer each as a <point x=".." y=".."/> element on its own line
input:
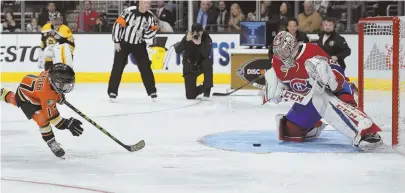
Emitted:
<point x="61" y="36"/>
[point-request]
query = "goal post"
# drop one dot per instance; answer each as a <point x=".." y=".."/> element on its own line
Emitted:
<point x="381" y="73"/>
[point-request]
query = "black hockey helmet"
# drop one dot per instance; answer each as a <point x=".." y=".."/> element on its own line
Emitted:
<point x="62" y="78"/>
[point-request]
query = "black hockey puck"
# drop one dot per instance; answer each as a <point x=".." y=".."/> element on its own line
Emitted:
<point x="257" y="144"/>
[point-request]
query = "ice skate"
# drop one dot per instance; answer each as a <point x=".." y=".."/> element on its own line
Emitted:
<point x="56" y="148"/>
<point x="113" y="97"/>
<point x="153" y="96"/>
<point x="370" y="142"/>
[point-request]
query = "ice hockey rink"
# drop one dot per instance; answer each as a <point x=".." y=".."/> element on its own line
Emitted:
<point x="192" y="146"/>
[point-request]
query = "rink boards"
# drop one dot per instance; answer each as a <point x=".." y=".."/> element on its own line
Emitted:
<point x="94" y="54"/>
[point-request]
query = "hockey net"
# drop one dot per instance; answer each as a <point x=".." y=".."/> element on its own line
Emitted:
<point x="381" y="78"/>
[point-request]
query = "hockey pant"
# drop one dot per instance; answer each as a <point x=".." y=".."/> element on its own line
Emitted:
<point x="32" y="111"/>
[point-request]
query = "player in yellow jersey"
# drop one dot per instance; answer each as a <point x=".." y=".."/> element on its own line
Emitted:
<point x="57" y="43"/>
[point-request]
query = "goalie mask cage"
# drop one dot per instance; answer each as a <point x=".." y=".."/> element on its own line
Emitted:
<point x="381" y="74"/>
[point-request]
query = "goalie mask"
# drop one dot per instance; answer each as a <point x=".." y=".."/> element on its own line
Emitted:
<point x="62" y="78"/>
<point x="56" y="19"/>
<point x="285" y="47"/>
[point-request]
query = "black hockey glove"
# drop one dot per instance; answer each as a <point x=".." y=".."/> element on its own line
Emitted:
<point x="72" y="124"/>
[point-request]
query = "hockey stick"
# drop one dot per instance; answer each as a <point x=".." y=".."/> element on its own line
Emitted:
<point x="250" y="82"/>
<point x="131" y="148"/>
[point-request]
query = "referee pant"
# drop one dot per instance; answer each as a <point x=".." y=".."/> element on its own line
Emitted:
<point x="142" y="61"/>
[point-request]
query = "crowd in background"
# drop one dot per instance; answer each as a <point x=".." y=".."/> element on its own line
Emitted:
<point x="215" y="16"/>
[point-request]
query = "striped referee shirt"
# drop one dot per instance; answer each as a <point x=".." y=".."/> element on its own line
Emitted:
<point x="134" y="27"/>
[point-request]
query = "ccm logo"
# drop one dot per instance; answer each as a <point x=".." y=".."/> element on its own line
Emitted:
<point x="350" y="111"/>
<point x="293" y="96"/>
<point x="254" y="71"/>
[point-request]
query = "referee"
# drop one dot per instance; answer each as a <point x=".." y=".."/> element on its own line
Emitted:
<point x="129" y="32"/>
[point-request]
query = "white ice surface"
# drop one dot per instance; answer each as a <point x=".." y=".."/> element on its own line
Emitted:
<point x="173" y="160"/>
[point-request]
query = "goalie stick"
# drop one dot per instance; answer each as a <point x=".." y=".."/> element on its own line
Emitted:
<point x="253" y="82"/>
<point x="131" y="148"/>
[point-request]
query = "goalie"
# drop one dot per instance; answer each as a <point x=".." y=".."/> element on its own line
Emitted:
<point x="306" y="71"/>
<point x="57" y="43"/>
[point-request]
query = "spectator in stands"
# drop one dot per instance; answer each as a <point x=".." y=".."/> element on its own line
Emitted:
<point x="263" y="14"/>
<point x="310" y="20"/>
<point x="292" y="27"/>
<point x="163" y="13"/>
<point x="89" y="18"/>
<point x="164" y="26"/>
<point x="204" y="16"/>
<point x="101" y="24"/>
<point x="236" y="17"/>
<point x="223" y="16"/>
<point x="10" y="25"/>
<point x="285" y="12"/>
<point x="44" y="17"/>
<point x="33" y="26"/>
<point x="334" y="44"/>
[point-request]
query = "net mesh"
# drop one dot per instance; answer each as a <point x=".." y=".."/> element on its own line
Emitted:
<point x="378" y="77"/>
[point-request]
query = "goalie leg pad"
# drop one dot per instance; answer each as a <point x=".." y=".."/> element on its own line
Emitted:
<point x="288" y="131"/>
<point x="366" y="125"/>
<point x="63" y="54"/>
<point x="316" y="131"/>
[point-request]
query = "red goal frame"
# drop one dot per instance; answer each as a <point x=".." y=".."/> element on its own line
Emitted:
<point x="395" y="67"/>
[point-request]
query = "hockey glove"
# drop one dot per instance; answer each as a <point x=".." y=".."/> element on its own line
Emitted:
<point x="72" y="124"/>
<point x="321" y="73"/>
<point x="46" y="53"/>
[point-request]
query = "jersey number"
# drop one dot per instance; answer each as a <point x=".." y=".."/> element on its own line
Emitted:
<point x="29" y="88"/>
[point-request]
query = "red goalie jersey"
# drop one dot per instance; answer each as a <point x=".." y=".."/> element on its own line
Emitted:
<point x="296" y="77"/>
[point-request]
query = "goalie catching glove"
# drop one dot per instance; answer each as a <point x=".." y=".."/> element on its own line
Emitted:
<point x="72" y="124"/>
<point x="321" y="72"/>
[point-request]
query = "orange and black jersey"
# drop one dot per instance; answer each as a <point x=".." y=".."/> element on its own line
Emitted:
<point x="37" y="90"/>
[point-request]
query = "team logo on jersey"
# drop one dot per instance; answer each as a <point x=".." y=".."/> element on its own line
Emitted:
<point x="331" y="43"/>
<point x="300" y="86"/>
<point x="50" y="102"/>
<point x="252" y="69"/>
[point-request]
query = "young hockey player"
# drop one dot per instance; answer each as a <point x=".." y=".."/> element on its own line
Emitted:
<point x="37" y="96"/>
<point x="305" y="68"/>
<point x="56" y="35"/>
